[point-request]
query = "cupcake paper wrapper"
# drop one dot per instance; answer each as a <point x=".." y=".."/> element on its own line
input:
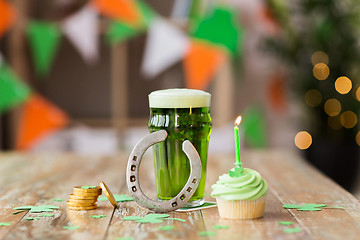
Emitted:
<point x="241" y="209"/>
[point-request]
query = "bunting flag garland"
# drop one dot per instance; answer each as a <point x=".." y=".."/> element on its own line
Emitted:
<point x="44" y="39"/>
<point x="86" y="39"/>
<point x="276" y="92"/>
<point x="254" y="128"/>
<point x="7" y="16"/>
<point x="122" y="10"/>
<point x="12" y="90"/>
<point x="39" y="119"/>
<point x="165" y="46"/>
<point x="221" y="28"/>
<point x="119" y="32"/>
<point x="201" y="63"/>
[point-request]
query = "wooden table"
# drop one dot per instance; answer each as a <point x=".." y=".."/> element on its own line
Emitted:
<point x="37" y="179"/>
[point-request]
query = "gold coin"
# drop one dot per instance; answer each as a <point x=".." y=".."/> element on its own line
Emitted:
<point x="77" y="189"/>
<point x="71" y="204"/>
<point x="82" y="208"/>
<point x="82" y="201"/>
<point x="81" y="197"/>
<point x="108" y="194"/>
<point x="86" y="194"/>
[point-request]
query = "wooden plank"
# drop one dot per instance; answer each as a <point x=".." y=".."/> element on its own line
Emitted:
<point x="294" y="181"/>
<point x="85" y="170"/>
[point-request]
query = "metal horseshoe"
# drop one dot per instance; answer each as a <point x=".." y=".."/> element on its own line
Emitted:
<point x="132" y="174"/>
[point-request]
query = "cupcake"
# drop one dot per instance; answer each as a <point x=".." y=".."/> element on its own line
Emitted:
<point x="240" y="194"/>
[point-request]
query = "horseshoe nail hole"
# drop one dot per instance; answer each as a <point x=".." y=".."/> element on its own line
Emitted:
<point x="174" y="204"/>
<point x="132" y="178"/>
<point x="133" y="167"/>
<point x="134" y="189"/>
<point x="134" y="158"/>
<point x="194" y="180"/>
<point x="182" y="197"/>
<point x="189" y="189"/>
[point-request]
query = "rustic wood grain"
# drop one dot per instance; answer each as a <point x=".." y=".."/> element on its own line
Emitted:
<point x="36" y="179"/>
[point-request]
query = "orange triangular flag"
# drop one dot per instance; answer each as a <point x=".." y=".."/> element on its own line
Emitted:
<point x="123" y="10"/>
<point x="201" y="63"/>
<point x="39" y="119"/>
<point x="7" y="16"/>
<point x="277" y="92"/>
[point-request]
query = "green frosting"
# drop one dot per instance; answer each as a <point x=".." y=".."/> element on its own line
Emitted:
<point x="249" y="186"/>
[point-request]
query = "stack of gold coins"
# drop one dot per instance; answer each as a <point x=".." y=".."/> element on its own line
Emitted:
<point x="84" y="198"/>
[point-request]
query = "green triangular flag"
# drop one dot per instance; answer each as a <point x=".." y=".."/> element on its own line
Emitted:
<point x="12" y="90"/>
<point x="254" y="127"/>
<point x="146" y="12"/>
<point x="44" y="39"/>
<point x="221" y="28"/>
<point x="119" y="32"/>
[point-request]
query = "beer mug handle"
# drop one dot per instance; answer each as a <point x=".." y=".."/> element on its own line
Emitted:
<point x="132" y="174"/>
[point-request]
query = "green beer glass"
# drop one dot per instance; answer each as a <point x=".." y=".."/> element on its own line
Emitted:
<point x="185" y="115"/>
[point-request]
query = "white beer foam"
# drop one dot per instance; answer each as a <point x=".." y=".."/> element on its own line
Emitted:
<point x="179" y="98"/>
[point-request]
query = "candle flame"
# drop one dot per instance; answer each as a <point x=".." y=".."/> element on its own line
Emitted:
<point x="238" y="120"/>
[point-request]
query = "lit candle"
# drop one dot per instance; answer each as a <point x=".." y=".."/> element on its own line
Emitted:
<point x="237" y="141"/>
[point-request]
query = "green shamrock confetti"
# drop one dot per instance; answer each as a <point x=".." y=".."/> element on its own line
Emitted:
<point x="31" y="218"/>
<point x="71" y="227"/>
<point x="118" y="198"/>
<point x="19" y="212"/>
<point x="309" y="209"/>
<point x="149" y="220"/>
<point x="40" y="209"/>
<point x="46" y="215"/>
<point x="305" y="207"/>
<point x="207" y="233"/>
<point x="220" y="227"/>
<point x="87" y="187"/>
<point x="166" y="228"/>
<point x="49" y="206"/>
<point x="291" y="206"/>
<point x="176" y="219"/>
<point x="335" y="207"/>
<point x="26" y="207"/>
<point x="156" y="215"/>
<point x="98" y="216"/>
<point x="238" y="171"/>
<point x="5" y="224"/>
<point x="124" y="238"/>
<point x="285" y="223"/>
<point x="131" y="218"/>
<point x="314" y="205"/>
<point x="293" y="230"/>
<point x="57" y="200"/>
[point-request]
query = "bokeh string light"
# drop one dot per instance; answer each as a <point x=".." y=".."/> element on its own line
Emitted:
<point x="303" y="140"/>
<point x="348" y="119"/>
<point x="319" y="57"/>
<point x="321" y="71"/>
<point x="332" y="107"/>
<point x="343" y="85"/>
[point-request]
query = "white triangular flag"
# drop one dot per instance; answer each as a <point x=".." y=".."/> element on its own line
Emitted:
<point x="165" y="46"/>
<point x="82" y="31"/>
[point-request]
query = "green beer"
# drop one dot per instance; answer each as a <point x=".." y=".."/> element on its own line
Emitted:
<point x="185" y="115"/>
